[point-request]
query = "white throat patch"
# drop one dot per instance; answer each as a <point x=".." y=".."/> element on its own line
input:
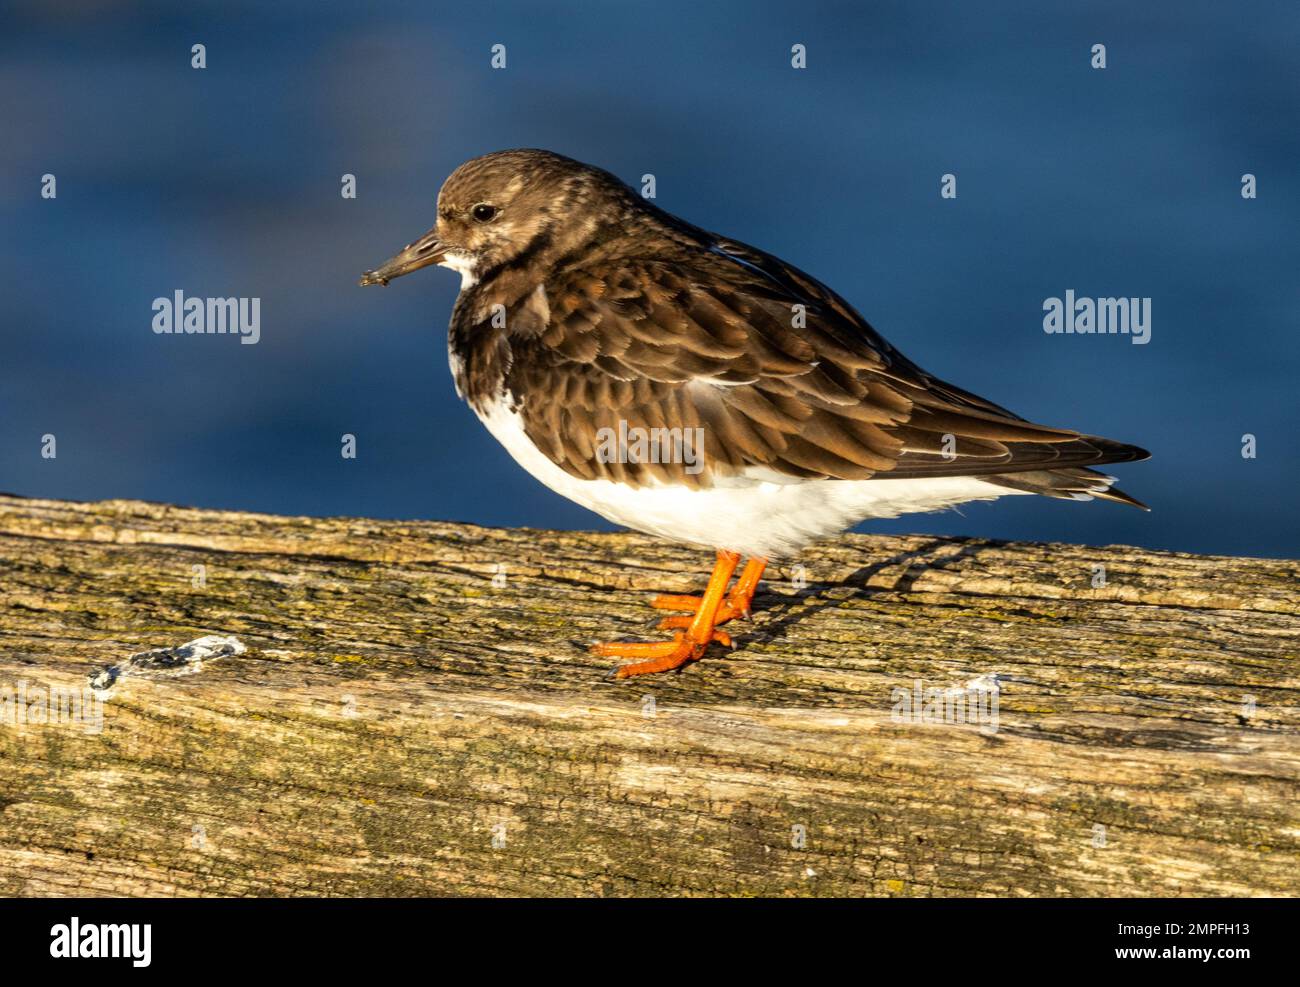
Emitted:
<point x="463" y="265"/>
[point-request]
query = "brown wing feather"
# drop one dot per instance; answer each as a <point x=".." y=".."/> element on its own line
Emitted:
<point x="706" y="337"/>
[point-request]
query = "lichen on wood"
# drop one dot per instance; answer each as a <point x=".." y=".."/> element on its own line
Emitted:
<point x="415" y="712"/>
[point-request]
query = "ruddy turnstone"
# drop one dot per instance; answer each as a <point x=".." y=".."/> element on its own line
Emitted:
<point x="595" y="332"/>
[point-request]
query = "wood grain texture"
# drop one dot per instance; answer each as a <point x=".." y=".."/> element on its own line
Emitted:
<point x="398" y="712"/>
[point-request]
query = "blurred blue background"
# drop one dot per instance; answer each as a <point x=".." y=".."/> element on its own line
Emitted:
<point x="225" y="181"/>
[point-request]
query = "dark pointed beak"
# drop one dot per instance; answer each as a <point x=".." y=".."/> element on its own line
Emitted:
<point x="423" y="252"/>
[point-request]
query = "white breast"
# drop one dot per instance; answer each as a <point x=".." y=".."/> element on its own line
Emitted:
<point x="755" y="516"/>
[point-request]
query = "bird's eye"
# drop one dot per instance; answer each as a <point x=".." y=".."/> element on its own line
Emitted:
<point x="483" y="212"/>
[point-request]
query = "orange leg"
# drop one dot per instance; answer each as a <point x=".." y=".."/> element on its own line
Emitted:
<point x="686" y="645"/>
<point x="736" y="604"/>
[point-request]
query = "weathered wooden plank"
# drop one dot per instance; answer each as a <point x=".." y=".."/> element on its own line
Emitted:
<point x="397" y="712"/>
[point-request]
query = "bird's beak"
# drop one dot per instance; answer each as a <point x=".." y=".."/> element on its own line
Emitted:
<point x="423" y="252"/>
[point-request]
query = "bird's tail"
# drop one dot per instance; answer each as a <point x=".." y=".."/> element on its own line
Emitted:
<point x="1079" y="483"/>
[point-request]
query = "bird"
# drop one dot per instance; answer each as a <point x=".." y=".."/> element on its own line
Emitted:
<point x="692" y="387"/>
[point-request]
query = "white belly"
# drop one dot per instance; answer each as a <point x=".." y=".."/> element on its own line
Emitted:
<point x="758" y="518"/>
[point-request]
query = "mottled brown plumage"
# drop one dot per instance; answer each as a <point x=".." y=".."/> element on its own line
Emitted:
<point x="611" y="309"/>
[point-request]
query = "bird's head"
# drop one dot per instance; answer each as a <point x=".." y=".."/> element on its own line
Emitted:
<point x="497" y="209"/>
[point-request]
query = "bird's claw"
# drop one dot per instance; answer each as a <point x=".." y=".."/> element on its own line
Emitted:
<point x="659" y="656"/>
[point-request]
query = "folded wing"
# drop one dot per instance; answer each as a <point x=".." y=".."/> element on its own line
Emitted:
<point x="784" y="380"/>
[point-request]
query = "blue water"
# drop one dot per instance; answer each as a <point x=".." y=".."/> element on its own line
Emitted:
<point x="225" y="182"/>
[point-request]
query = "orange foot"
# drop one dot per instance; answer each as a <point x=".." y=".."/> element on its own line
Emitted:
<point x="734" y="605"/>
<point x="699" y="630"/>
<point x="662" y="656"/>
